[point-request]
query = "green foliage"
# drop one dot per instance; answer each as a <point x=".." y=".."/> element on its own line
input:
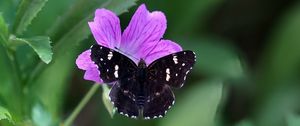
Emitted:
<point x="4" y="114"/>
<point x="292" y="120"/>
<point x="36" y="80"/>
<point x="191" y="108"/>
<point x="3" y="29"/>
<point x="214" y="58"/>
<point x="278" y="86"/>
<point x="40" y="44"/>
<point x="105" y="98"/>
<point x="27" y="10"/>
<point x="40" y="116"/>
<point x="44" y="92"/>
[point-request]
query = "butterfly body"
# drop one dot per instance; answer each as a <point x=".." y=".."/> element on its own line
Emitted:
<point x="142" y="90"/>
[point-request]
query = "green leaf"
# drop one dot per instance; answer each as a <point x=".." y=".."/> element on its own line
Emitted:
<point x="245" y="122"/>
<point x="4" y="114"/>
<point x="10" y="86"/>
<point x="197" y="107"/>
<point x="282" y="58"/>
<point x="3" y="29"/>
<point x="40" y="44"/>
<point x="277" y="86"/>
<point x="27" y="10"/>
<point x="8" y="8"/>
<point x="293" y="119"/>
<point x="214" y="57"/>
<point x="40" y="116"/>
<point x="105" y="98"/>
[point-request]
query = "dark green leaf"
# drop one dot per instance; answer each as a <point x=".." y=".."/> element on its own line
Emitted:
<point x="10" y="86"/>
<point x="197" y="107"/>
<point x="279" y="76"/>
<point x="283" y="57"/>
<point x="40" y="44"/>
<point x="3" y="30"/>
<point x="27" y="10"/>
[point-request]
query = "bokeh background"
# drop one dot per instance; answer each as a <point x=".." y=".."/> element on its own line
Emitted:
<point x="247" y="70"/>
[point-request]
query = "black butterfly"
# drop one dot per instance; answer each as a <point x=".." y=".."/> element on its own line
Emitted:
<point x="141" y="90"/>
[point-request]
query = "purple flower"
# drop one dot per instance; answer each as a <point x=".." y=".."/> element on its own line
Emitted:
<point x="140" y="40"/>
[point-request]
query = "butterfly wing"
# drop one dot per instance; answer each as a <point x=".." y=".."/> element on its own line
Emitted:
<point x="164" y="73"/>
<point x="172" y="69"/>
<point x="123" y="101"/>
<point x="116" y="67"/>
<point x="111" y="64"/>
<point x="160" y="100"/>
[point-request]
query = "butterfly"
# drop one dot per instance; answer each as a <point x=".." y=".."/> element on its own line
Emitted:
<point x="139" y="90"/>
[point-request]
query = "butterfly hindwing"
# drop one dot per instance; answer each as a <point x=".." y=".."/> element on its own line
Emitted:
<point x="172" y="69"/>
<point x="111" y="64"/>
<point x="160" y="100"/>
<point x="122" y="100"/>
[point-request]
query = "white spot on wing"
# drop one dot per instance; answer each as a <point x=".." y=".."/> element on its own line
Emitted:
<point x="175" y="59"/>
<point x="116" y="74"/>
<point x="157" y="93"/>
<point x="167" y="74"/>
<point x="101" y="59"/>
<point x="167" y="77"/>
<point x="116" y="71"/>
<point x="116" y="67"/>
<point x="183" y="64"/>
<point x="110" y="55"/>
<point x="168" y="71"/>
<point x="187" y="72"/>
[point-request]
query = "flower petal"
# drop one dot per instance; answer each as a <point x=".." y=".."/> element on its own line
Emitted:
<point x="92" y="74"/>
<point x="143" y="32"/>
<point x="164" y="47"/>
<point x="106" y="28"/>
<point x="84" y="62"/>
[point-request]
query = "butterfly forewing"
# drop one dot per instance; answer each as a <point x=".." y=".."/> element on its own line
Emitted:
<point x="111" y="64"/>
<point x="172" y="69"/>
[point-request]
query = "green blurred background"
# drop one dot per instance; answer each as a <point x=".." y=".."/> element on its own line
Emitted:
<point x="247" y="70"/>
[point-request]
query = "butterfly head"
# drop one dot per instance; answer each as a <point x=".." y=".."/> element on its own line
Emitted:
<point x="142" y="64"/>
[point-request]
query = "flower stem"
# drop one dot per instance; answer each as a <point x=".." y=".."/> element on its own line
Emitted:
<point x="82" y="103"/>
